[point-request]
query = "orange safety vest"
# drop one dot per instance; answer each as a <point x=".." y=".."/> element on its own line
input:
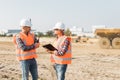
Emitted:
<point x="28" y="40"/>
<point x="67" y="57"/>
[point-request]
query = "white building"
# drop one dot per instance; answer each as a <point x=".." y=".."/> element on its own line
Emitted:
<point x="3" y="31"/>
<point x="10" y="31"/>
<point x="75" y="30"/>
<point x="80" y="32"/>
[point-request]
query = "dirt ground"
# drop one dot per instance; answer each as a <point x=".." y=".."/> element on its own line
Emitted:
<point x="89" y="62"/>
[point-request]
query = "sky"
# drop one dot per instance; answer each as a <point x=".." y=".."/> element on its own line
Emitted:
<point x="45" y="13"/>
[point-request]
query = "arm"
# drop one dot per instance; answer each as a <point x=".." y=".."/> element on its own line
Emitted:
<point x="36" y="40"/>
<point x="64" y="48"/>
<point x="23" y="46"/>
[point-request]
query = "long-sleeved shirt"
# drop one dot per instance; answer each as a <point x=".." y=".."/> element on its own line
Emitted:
<point x="22" y="45"/>
<point x="61" y="51"/>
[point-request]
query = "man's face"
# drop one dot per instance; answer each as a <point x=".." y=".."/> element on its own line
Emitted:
<point x="26" y="29"/>
<point x="57" y="31"/>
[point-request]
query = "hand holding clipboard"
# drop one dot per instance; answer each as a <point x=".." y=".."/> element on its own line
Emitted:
<point x="49" y="47"/>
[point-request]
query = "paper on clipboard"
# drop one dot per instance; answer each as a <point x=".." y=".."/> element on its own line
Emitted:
<point x="49" y="47"/>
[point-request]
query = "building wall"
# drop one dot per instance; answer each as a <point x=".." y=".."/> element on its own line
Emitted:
<point x="76" y="30"/>
<point x="11" y="31"/>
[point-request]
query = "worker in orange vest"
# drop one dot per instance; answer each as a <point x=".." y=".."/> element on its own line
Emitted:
<point x="62" y="56"/>
<point x="26" y="44"/>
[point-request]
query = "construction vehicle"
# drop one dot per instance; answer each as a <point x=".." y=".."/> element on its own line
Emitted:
<point x="109" y="37"/>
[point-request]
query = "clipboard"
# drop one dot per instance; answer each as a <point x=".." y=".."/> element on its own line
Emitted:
<point x="49" y="47"/>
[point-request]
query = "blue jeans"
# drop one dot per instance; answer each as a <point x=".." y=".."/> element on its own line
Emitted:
<point x="29" y="66"/>
<point x="60" y="71"/>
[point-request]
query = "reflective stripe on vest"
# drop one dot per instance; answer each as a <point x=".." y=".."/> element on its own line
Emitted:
<point x="27" y="54"/>
<point x="27" y="40"/>
<point x="67" y="57"/>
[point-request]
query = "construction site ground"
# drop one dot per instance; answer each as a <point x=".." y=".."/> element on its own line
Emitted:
<point x="89" y="62"/>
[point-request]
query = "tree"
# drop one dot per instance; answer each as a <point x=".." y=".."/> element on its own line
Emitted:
<point x="40" y="34"/>
<point x="68" y="32"/>
<point x="49" y="33"/>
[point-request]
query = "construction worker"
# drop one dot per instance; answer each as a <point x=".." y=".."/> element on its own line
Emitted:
<point x="26" y="44"/>
<point x="62" y="56"/>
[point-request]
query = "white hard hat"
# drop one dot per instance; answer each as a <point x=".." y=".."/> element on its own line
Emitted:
<point x="59" y="25"/>
<point x="26" y="22"/>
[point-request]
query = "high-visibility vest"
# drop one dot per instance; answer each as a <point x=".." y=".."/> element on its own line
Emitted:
<point x="67" y="57"/>
<point x="28" y="40"/>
